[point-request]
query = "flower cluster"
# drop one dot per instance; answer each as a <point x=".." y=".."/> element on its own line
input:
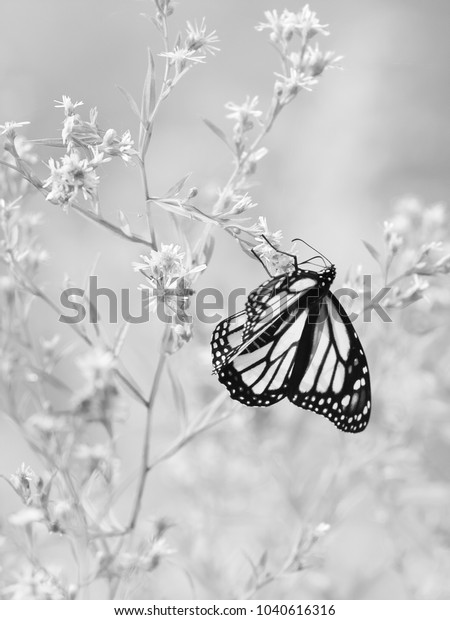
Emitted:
<point x="170" y="290"/>
<point x="415" y="245"/>
<point x="88" y="147"/>
<point x="71" y="175"/>
<point x="282" y="27"/>
<point x="245" y="115"/>
<point x="304" y="64"/>
<point x="37" y="584"/>
<point x="99" y="399"/>
<point x="78" y="132"/>
<point x="35" y="494"/>
<point x="415" y="254"/>
<point x="198" y="39"/>
<point x="9" y="128"/>
<point x="21" y="482"/>
<point x="185" y="54"/>
<point x="268" y="244"/>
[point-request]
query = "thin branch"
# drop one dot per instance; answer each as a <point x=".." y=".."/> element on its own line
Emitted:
<point x="39" y="293"/>
<point x="86" y="214"/>
<point x="147" y="436"/>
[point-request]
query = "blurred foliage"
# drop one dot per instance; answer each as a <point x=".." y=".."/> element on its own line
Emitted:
<point x="225" y="501"/>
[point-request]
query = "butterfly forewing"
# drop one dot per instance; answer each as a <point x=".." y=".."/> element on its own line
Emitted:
<point x="280" y="296"/>
<point x="336" y="382"/>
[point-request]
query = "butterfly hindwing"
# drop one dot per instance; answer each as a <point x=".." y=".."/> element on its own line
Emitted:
<point x="257" y="370"/>
<point x="259" y="375"/>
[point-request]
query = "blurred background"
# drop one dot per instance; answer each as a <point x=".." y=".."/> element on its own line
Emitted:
<point x="340" y="158"/>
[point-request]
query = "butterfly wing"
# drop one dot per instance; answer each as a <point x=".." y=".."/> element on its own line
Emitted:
<point x="283" y="296"/>
<point x="335" y="381"/>
<point x="254" y="351"/>
<point x="295" y="339"/>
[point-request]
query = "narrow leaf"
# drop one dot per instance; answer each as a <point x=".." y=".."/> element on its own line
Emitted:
<point x="176" y="189"/>
<point x="372" y="251"/>
<point x="152" y="20"/>
<point x="131" y="102"/>
<point x="120" y="339"/>
<point x="178" y="394"/>
<point x="124" y="224"/>
<point x="148" y="91"/>
<point x="51" y="379"/>
<point x="208" y="249"/>
<point x="262" y="564"/>
<point x="54" y="142"/>
<point x="219" y="133"/>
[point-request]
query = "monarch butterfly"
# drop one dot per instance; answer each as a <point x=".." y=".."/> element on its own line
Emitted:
<point x="294" y="339"/>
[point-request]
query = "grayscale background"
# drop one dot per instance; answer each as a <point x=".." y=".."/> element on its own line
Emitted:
<point x="339" y="159"/>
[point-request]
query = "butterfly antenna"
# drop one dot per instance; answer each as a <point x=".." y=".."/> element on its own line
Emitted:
<point x="312" y="248"/>
<point x="311" y="259"/>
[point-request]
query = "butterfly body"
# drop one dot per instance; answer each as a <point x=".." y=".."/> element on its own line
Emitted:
<point x="294" y="340"/>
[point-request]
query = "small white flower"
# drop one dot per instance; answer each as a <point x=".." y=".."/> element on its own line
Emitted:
<point x="288" y="86"/>
<point x="393" y="240"/>
<point x="282" y="27"/>
<point x="242" y="204"/>
<point x="118" y="147"/>
<point x="418" y="286"/>
<point x="182" y="58"/>
<point x="170" y="281"/>
<point x="314" y="61"/>
<point x="67" y="104"/>
<point x="244" y="113"/>
<point x="273" y="22"/>
<point x="262" y="228"/>
<point x="22" y="478"/>
<point x="71" y="175"/>
<point x="307" y="24"/>
<point x="97" y="366"/>
<point x="267" y="248"/>
<point x="431" y="261"/>
<point x="11" y="125"/>
<point x="197" y="38"/>
<point x="68" y="127"/>
<point x="168" y="262"/>
<point x="33" y="584"/>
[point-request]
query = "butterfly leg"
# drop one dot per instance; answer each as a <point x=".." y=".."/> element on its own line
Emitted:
<point x="261" y="261"/>
<point x="281" y="251"/>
